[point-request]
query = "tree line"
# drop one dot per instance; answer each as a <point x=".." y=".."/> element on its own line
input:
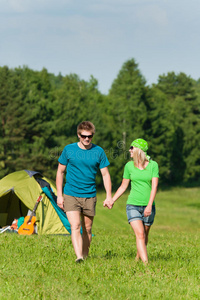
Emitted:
<point x="40" y="111"/>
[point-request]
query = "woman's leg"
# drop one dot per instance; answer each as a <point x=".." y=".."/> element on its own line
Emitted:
<point x="146" y="229"/>
<point x="138" y="228"/>
<point x="87" y="233"/>
<point x="77" y="242"/>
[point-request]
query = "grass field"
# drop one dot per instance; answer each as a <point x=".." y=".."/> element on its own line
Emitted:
<point x="43" y="267"/>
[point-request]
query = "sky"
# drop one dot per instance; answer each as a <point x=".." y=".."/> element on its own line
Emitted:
<point x="96" y="37"/>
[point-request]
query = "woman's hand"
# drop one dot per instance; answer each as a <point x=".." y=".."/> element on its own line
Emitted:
<point x="147" y="211"/>
<point x="109" y="203"/>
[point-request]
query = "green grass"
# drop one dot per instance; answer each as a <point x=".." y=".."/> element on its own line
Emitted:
<point x="43" y="267"/>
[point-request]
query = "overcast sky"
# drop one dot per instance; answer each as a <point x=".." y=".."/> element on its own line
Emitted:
<point x="95" y="37"/>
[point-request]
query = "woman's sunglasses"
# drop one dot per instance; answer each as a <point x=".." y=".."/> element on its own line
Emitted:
<point x="131" y="148"/>
<point x="86" y="136"/>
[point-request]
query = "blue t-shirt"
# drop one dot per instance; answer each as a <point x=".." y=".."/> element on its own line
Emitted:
<point x="82" y="166"/>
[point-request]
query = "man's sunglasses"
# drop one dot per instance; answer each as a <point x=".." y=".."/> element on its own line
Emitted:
<point x="131" y="148"/>
<point x="86" y="136"/>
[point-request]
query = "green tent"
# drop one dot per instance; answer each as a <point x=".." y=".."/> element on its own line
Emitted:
<point x="19" y="192"/>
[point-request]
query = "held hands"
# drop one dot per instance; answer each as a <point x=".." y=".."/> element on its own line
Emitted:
<point x="109" y="203"/>
<point x="60" y="202"/>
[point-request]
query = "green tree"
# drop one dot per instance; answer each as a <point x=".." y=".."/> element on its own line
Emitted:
<point x="12" y="132"/>
<point x="160" y="131"/>
<point x="181" y="116"/>
<point x="127" y="110"/>
<point x="26" y="117"/>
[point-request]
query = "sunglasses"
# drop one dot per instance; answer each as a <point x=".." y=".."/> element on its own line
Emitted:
<point x="131" y="148"/>
<point x="86" y="136"/>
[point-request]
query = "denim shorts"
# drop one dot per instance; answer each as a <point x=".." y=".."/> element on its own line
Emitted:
<point x="137" y="213"/>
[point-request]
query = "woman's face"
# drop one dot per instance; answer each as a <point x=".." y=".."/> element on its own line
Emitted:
<point x="131" y="150"/>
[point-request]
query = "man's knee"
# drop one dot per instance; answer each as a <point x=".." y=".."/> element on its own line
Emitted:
<point x="87" y="230"/>
<point x="75" y="227"/>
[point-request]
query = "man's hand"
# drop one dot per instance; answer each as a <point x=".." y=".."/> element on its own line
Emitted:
<point x="109" y="203"/>
<point x="60" y="202"/>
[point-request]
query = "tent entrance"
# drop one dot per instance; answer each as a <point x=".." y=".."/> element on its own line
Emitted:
<point x="18" y="194"/>
<point x="11" y="208"/>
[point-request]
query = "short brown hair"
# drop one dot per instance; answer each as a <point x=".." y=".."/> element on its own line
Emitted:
<point x="86" y="125"/>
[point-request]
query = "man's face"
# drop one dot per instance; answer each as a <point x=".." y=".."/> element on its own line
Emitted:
<point x="85" y="137"/>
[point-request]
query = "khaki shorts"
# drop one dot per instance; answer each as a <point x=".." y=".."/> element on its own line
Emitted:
<point x="84" y="205"/>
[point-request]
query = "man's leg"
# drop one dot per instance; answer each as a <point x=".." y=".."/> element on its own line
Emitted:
<point x="75" y="222"/>
<point x="87" y="233"/>
<point x="139" y="231"/>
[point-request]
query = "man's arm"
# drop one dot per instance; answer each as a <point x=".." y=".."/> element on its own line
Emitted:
<point x="59" y="184"/>
<point x="108" y="186"/>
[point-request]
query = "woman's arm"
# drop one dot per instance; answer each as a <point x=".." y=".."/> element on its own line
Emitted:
<point x="121" y="189"/>
<point x="147" y="211"/>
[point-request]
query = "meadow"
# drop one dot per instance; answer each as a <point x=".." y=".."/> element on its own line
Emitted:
<point x="43" y="267"/>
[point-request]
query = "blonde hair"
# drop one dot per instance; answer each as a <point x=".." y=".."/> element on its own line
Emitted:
<point x="86" y="125"/>
<point x="139" y="157"/>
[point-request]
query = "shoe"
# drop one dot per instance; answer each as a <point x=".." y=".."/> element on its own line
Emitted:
<point x="79" y="260"/>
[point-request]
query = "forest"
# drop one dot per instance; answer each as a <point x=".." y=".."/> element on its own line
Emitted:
<point x="39" y="114"/>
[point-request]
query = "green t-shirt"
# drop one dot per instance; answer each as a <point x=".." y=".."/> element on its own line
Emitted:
<point x="140" y="182"/>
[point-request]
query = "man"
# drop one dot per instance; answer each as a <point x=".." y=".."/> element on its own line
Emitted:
<point x="81" y="161"/>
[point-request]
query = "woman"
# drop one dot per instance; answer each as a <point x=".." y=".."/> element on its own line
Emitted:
<point x="143" y="174"/>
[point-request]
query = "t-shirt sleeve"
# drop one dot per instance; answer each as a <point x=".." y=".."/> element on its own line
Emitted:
<point x="126" y="174"/>
<point x="103" y="161"/>
<point x="63" y="157"/>
<point x="155" y="170"/>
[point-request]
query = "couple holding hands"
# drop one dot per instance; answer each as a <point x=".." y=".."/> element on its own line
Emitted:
<point x="81" y="162"/>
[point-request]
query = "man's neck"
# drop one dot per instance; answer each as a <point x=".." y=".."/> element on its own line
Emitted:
<point x="84" y="147"/>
